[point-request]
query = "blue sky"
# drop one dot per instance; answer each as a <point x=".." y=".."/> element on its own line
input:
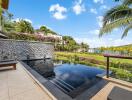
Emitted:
<point x="80" y="19"/>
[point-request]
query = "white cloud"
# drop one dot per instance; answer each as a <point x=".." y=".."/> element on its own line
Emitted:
<point x="104" y="7"/>
<point x="94" y="32"/>
<point x="26" y="19"/>
<point x="93" y="10"/>
<point x="100" y="20"/>
<point x="58" y="11"/>
<point x="78" y="7"/>
<point x="98" y="1"/>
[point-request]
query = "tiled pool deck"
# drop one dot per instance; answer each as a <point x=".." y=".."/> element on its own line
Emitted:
<point x="18" y="85"/>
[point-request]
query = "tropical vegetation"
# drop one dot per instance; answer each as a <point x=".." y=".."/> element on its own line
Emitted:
<point x="45" y="30"/>
<point x="3" y="12"/>
<point x="119" y="16"/>
<point x="23" y="26"/>
<point x="69" y="44"/>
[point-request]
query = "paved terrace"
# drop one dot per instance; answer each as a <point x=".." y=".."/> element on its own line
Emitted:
<point x="18" y="85"/>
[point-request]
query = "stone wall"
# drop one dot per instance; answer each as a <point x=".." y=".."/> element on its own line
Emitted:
<point x="19" y="49"/>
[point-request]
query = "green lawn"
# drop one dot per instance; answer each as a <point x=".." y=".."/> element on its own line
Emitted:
<point x="95" y="56"/>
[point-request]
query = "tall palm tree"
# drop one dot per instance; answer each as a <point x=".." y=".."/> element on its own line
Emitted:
<point x="119" y="16"/>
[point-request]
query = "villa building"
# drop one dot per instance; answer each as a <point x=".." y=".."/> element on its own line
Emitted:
<point x="93" y="50"/>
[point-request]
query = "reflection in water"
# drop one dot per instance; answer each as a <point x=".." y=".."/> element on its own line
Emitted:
<point x="44" y="67"/>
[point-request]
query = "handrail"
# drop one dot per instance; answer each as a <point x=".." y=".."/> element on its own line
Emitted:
<point x="114" y="56"/>
<point x="118" y="56"/>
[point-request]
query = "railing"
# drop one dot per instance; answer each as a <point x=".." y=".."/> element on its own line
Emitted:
<point x="113" y="56"/>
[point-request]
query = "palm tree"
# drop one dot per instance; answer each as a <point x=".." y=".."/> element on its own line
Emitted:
<point x="24" y="27"/>
<point x="119" y="16"/>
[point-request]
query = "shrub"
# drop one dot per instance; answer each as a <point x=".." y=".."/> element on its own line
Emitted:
<point x="22" y="36"/>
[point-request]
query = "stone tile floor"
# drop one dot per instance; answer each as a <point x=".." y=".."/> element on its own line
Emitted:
<point x="18" y="85"/>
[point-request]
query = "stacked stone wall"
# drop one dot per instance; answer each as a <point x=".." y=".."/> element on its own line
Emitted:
<point x="20" y="50"/>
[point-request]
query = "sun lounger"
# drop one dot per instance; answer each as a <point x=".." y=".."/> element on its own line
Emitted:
<point x="118" y="93"/>
<point x="8" y="63"/>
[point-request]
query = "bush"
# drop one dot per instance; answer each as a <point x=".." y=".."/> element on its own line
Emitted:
<point x="22" y="36"/>
<point x="125" y="66"/>
<point x="30" y="37"/>
<point x="76" y="58"/>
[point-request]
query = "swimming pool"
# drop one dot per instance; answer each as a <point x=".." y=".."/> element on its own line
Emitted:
<point x="71" y="78"/>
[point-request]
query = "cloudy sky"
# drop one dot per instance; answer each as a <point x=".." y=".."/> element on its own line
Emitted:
<point x="80" y="19"/>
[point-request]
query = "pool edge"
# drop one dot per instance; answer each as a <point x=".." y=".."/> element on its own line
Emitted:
<point x="46" y="85"/>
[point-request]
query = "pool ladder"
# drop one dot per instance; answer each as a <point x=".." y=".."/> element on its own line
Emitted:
<point x="62" y="85"/>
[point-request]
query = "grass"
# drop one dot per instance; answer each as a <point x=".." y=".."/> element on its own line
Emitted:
<point x="95" y="56"/>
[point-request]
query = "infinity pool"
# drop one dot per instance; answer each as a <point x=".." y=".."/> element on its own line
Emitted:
<point x="71" y="78"/>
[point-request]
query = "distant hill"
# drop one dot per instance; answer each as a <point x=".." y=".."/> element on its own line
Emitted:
<point x="129" y="45"/>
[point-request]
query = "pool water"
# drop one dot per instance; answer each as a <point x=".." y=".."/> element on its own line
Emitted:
<point x="72" y="79"/>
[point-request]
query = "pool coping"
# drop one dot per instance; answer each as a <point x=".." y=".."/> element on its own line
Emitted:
<point x="54" y="92"/>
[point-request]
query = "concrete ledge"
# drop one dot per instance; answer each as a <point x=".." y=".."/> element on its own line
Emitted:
<point x="117" y="81"/>
<point x="103" y="74"/>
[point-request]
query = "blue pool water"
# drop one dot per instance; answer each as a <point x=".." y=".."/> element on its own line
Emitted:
<point x="76" y="75"/>
<point x="70" y="78"/>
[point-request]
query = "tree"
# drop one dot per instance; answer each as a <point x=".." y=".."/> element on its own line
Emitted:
<point x="23" y="26"/>
<point x="8" y="26"/>
<point x="84" y="46"/>
<point x="119" y="16"/>
<point x="69" y="44"/>
<point x="45" y="30"/>
<point x="3" y="9"/>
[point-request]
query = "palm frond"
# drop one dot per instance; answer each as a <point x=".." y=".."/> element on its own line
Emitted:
<point x="117" y="13"/>
<point x="117" y="23"/>
<point x="129" y="27"/>
<point x="125" y="2"/>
